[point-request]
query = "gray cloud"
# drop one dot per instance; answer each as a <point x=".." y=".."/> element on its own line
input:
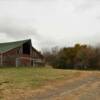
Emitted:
<point x="17" y="28"/>
<point x="85" y="5"/>
<point x="50" y="23"/>
<point x="98" y="17"/>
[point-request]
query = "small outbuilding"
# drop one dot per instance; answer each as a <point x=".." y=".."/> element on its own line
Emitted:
<point x="20" y="53"/>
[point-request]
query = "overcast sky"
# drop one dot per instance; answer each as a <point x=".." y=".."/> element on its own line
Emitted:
<point x="50" y="22"/>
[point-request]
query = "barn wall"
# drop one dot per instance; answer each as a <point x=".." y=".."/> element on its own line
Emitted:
<point x="25" y="60"/>
<point x="36" y="55"/>
<point x="9" y="58"/>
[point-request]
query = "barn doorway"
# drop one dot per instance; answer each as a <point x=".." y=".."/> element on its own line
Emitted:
<point x="26" y="48"/>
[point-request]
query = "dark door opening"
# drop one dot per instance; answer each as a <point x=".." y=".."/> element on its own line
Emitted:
<point x="26" y="48"/>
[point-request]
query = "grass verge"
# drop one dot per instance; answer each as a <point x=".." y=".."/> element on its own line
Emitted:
<point x="14" y="79"/>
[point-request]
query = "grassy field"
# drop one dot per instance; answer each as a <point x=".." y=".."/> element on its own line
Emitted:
<point x="12" y="80"/>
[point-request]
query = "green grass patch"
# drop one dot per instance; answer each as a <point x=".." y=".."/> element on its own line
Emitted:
<point x="30" y="77"/>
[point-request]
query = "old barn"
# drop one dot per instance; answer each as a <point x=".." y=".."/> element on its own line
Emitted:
<point x="20" y="53"/>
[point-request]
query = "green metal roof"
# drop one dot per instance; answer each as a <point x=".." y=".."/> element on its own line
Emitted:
<point x="4" y="47"/>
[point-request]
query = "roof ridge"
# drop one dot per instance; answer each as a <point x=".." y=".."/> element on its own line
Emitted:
<point x="16" y="41"/>
<point x="4" y="47"/>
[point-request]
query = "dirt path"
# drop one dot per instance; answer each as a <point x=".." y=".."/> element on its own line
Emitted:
<point x="83" y="88"/>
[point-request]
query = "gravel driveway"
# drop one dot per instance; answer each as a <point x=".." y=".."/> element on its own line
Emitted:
<point x="85" y="88"/>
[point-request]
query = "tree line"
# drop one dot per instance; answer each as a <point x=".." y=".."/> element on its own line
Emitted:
<point x="77" y="57"/>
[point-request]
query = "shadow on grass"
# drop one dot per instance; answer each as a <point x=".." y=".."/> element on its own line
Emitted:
<point x="79" y="69"/>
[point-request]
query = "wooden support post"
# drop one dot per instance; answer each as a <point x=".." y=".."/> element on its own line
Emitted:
<point x="17" y="62"/>
<point x="1" y="59"/>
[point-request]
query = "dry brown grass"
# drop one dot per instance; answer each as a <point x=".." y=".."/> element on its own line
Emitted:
<point x="17" y="83"/>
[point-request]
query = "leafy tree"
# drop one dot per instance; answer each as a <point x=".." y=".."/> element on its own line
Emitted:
<point x="77" y="57"/>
